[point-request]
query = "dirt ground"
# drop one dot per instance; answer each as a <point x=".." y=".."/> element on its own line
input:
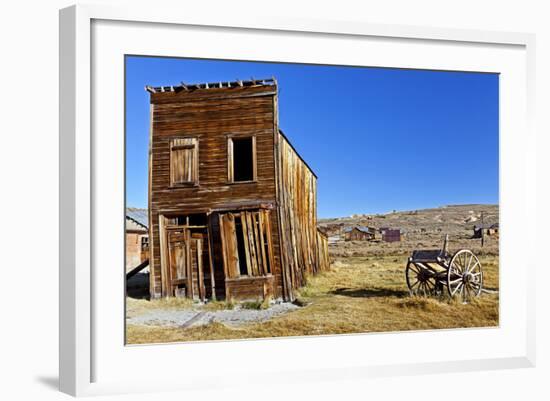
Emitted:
<point x="364" y="291"/>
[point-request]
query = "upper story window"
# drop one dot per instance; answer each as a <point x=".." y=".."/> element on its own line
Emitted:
<point x="242" y="159"/>
<point x="184" y="161"/>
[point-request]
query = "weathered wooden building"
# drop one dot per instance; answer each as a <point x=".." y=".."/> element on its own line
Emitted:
<point x="390" y="234"/>
<point x="233" y="206"/>
<point x="487" y="229"/>
<point x="359" y="233"/>
<point x="137" y="237"/>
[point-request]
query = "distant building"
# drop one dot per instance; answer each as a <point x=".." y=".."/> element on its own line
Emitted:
<point x="137" y="237"/>
<point x="390" y="234"/>
<point x="487" y="229"/>
<point x="359" y="233"/>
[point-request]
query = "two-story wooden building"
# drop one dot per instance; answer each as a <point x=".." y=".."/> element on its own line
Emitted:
<point x="232" y="205"/>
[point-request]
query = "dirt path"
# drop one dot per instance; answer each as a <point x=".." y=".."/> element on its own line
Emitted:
<point x="196" y="316"/>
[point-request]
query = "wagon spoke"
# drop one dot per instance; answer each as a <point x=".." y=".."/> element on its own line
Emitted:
<point x="460" y="285"/>
<point x="469" y="262"/>
<point x="475" y="286"/>
<point x="465" y="293"/>
<point x="471" y="291"/>
<point x="475" y="264"/>
<point x="413" y="267"/>
<point x="420" y="288"/>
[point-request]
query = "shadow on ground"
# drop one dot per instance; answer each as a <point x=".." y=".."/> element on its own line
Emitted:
<point x="138" y="286"/>
<point x="369" y="293"/>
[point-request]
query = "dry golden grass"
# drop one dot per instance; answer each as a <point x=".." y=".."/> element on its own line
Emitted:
<point x="358" y="295"/>
<point x="136" y="307"/>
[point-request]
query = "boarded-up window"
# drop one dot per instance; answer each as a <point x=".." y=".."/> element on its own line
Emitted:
<point x="242" y="159"/>
<point x="246" y="240"/>
<point x="184" y="161"/>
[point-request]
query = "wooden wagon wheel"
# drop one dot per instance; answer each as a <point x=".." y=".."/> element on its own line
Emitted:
<point x="420" y="280"/>
<point x="464" y="276"/>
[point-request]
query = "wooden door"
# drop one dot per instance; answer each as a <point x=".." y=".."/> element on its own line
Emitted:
<point x="186" y="257"/>
<point x="229" y="245"/>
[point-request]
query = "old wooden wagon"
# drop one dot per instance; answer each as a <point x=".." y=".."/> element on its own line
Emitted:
<point x="233" y="208"/>
<point x="428" y="272"/>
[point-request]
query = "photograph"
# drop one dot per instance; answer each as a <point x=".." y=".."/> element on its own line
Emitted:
<point x="270" y="199"/>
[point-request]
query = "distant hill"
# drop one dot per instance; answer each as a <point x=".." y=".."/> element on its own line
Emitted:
<point x="452" y="219"/>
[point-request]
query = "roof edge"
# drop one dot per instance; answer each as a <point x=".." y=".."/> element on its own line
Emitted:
<point x="137" y="222"/>
<point x="212" y="85"/>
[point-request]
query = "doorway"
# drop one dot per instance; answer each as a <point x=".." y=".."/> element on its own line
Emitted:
<point x="189" y="267"/>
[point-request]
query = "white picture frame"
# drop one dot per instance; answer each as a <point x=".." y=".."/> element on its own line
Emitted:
<point x="90" y="357"/>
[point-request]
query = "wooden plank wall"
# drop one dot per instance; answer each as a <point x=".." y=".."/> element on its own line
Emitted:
<point x="298" y="218"/>
<point x="322" y="251"/>
<point x="210" y="115"/>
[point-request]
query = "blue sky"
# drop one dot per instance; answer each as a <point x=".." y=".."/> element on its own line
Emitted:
<point x="378" y="139"/>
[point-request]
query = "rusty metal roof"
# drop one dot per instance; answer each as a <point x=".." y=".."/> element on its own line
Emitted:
<point x="182" y="86"/>
<point x="364" y="229"/>
<point x="139" y="216"/>
<point x="486" y="226"/>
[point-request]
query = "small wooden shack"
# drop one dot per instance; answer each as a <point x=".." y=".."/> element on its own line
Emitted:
<point x="390" y="234"/>
<point x="232" y="205"/>
<point x="137" y="237"/>
<point x="359" y="233"/>
<point x="487" y="229"/>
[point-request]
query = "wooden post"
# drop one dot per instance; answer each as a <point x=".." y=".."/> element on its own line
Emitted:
<point x="482" y="229"/>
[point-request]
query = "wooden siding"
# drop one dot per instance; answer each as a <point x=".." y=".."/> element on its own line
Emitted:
<point x="322" y="251"/>
<point x="390" y="235"/>
<point x="210" y="116"/>
<point x="358" y="235"/>
<point x="134" y="254"/>
<point x="297" y="199"/>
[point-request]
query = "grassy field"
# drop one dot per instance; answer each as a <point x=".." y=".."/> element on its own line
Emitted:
<point x="358" y="295"/>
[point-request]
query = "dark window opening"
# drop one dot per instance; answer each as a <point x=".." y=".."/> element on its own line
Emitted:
<point x="190" y="220"/>
<point x="197" y="219"/>
<point x="243" y="159"/>
<point x="243" y="270"/>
